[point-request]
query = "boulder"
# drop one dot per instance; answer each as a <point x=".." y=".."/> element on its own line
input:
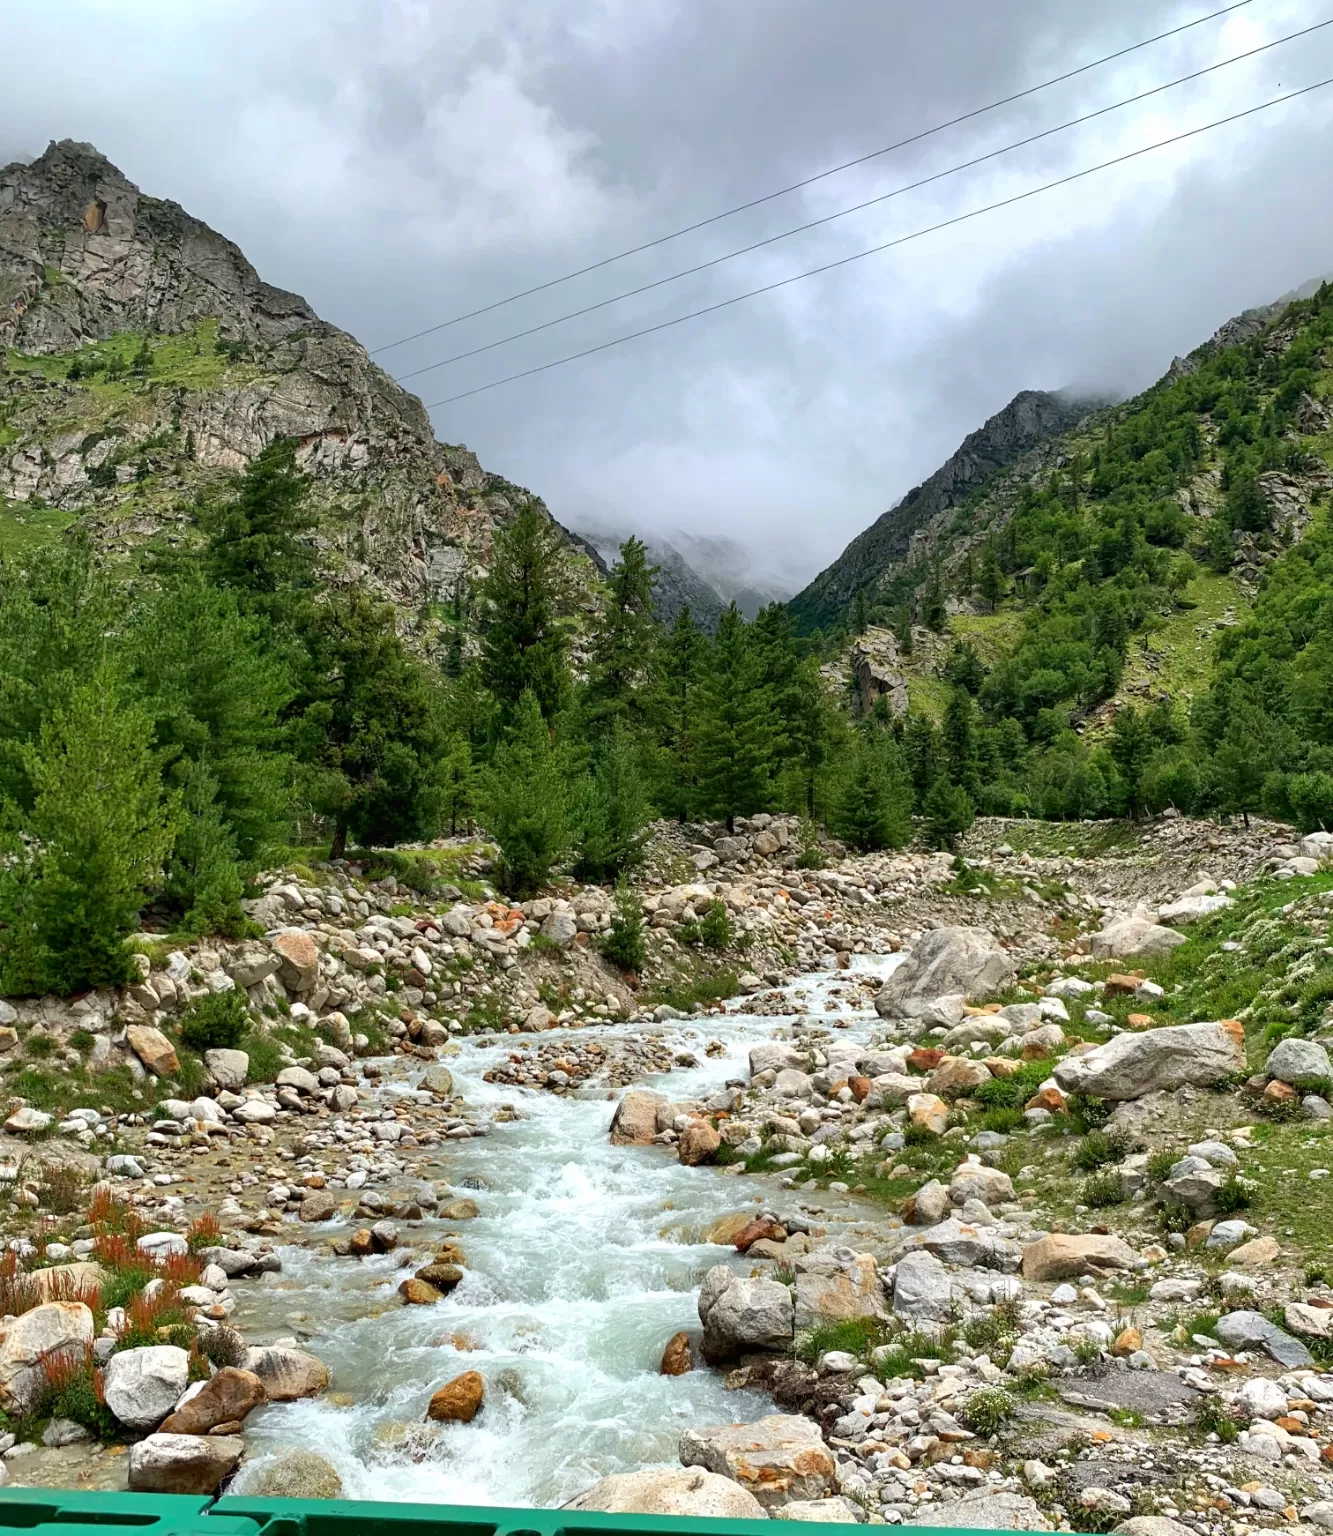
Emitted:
<point x="946" y="962"/>
<point x="677" y="1357"/>
<point x="298" y="1078"/>
<point x="462" y="1209"/>
<point x="698" y="1143"/>
<point x="68" y="1282"/>
<point x="921" y="1288"/>
<point x="1133" y="938"/>
<point x="634" y="1123"/>
<point x="985" y="1512"/>
<point x="1062" y="1256"/>
<point x="1313" y="1322"/>
<point x="1252" y="1330"/>
<point x="458" y="1401"/>
<point x="1295" y="1060"/>
<point x="53" y="1328"/>
<point x="1189" y="909"/>
<point x="153" y="1048"/>
<point x="926" y="1109"/>
<point x="689" y="1491"/>
<point x="966" y="1245"/>
<point x="928" y="1206"/>
<point x="739" y="1315"/>
<point x="977" y="1181"/>
<point x="295" y="1475"/>
<point x="142" y="1386"/>
<point x="835" y="1511"/>
<point x="298" y="959"/>
<point x="1131" y="1065"/>
<point x="27" y="1121"/>
<point x="318" y="1205"/>
<point x="560" y="929"/>
<point x="287" y="1373"/>
<point x="439" y="1080"/>
<point x="777" y="1458"/>
<point x="228" y="1398"/>
<point x="957" y="1075"/>
<point x="773" y="1056"/>
<point x="417" y="1292"/>
<point x="833" y="1284"/>
<point x="195" y="1464"/>
<point x="440" y="1276"/>
<point x="1258" y="1253"/>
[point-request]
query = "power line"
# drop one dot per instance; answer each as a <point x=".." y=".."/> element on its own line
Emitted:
<point x="796" y="186"/>
<point x="888" y="245"/>
<point x="883" y="197"/>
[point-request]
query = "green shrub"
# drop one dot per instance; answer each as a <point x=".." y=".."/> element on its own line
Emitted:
<point x="215" y="1022"/>
<point x="1234" y="1195"/>
<point x="1014" y="1091"/>
<point x="1102" y="1189"/>
<point x="624" y="943"/>
<point x="1099" y="1148"/>
<point x="987" y="1410"/>
<point x="1211" y="1418"/>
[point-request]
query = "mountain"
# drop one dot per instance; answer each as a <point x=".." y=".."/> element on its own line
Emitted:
<point x="677" y="585"/>
<point x="1032" y="417"/>
<point x="145" y="360"/>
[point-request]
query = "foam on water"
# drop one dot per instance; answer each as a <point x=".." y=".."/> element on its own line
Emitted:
<point x="584" y="1261"/>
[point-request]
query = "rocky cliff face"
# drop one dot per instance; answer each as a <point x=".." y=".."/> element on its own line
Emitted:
<point x="1031" y="417"/>
<point x="146" y="359"/>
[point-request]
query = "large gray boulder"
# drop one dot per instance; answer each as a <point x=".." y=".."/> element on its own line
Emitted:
<point x="1134" y="1064"/>
<point x="57" y="1327"/>
<point x="921" y="1288"/>
<point x="1294" y="1060"/>
<point x="958" y="962"/>
<point x="779" y="1458"/>
<point x="143" y="1385"/>
<point x="833" y="1284"/>
<point x="183" y="1463"/>
<point x="1133" y="938"/>
<point x="1252" y="1330"/>
<point x="686" y="1491"/>
<point x="985" y="1512"/>
<point x="740" y="1314"/>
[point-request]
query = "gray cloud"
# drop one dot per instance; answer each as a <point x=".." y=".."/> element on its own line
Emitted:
<point x="399" y="161"/>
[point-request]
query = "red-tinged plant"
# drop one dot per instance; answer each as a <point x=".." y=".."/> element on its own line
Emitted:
<point x="181" y="1269"/>
<point x="71" y="1288"/>
<point x="19" y="1293"/>
<point x="204" y="1232"/>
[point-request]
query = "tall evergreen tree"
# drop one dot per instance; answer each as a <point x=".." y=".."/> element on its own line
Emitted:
<point x="959" y="732"/>
<point x="520" y="604"/>
<point x="612" y="812"/>
<point x="735" y="735"/>
<point x="254" y="540"/>
<point x="924" y="754"/>
<point x="681" y="663"/>
<point x="872" y="808"/>
<point x="96" y="838"/>
<point x="370" y="727"/>
<point x="625" y="645"/>
<point x="525" y="803"/>
<point x="798" y="707"/>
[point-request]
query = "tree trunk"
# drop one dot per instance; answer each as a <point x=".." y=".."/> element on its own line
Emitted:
<point x="339" y="848"/>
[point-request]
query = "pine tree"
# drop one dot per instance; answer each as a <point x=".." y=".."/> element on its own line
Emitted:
<point x="797" y="704"/>
<point x="924" y="754"/>
<point x="990" y="584"/>
<point x="370" y="727"/>
<point x="253" y="541"/>
<point x="624" y="944"/>
<point x="625" y="644"/>
<point x="142" y="364"/>
<point x="949" y="812"/>
<point x="203" y="878"/>
<point x="734" y="730"/>
<point x="681" y="663"/>
<point x="525" y="804"/>
<point x="612" y="812"/>
<point x="873" y="807"/>
<point x="959" y="734"/>
<point x="1243" y="757"/>
<point x="520" y="606"/>
<point x="460" y="788"/>
<point x="96" y="837"/>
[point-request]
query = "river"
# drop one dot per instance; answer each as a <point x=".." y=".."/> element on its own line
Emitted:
<point x="585" y="1259"/>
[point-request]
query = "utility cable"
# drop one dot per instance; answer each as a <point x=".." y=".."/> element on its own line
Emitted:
<point x="842" y="213"/>
<point x="796" y="186"/>
<point x="888" y="245"/>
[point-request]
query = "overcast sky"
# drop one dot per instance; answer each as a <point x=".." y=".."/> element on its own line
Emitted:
<point x="401" y="161"/>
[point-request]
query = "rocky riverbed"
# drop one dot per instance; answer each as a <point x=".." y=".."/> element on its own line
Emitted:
<point x="958" y="1219"/>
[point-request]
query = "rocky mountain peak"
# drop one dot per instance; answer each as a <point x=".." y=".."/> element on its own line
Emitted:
<point x="95" y="273"/>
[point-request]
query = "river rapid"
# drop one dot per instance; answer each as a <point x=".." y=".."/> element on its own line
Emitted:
<point x="585" y="1259"/>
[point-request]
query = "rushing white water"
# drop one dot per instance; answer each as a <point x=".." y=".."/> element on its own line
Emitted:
<point x="584" y="1261"/>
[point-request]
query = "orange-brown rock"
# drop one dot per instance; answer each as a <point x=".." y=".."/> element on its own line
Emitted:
<point x="860" y="1087"/>
<point x="458" y="1401"/>
<point x="419" y="1293"/>
<point x="361" y="1242"/>
<point x="443" y="1277"/>
<point x="1126" y="1342"/>
<point x="754" y="1230"/>
<point x="1280" y="1093"/>
<point x="225" y="1400"/>
<point x="925" y="1058"/>
<point x="1047" y="1098"/>
<point x="677" y="1357"/>
<point x="698" y="1143"/>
